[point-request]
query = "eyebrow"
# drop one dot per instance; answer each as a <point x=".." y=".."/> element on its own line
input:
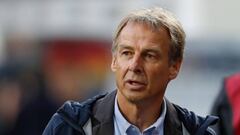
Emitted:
<point x="123" y="46"/>
<point x="154" y="49"/>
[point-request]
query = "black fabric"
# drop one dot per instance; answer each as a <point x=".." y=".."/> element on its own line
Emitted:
<point x="102" y="120"/>
<point x="223" y="110"/>
<point x="172" y="120"/>
<point x="196" y="125"/>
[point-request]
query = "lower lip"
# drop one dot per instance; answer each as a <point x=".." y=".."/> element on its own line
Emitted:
<point x="135" y="86"/>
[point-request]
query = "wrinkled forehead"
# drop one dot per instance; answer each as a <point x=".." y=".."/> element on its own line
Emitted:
<point x="140" y="35"/>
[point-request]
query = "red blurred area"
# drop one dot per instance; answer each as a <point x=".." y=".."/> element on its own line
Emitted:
<point x="73" y="67"/>
<point x="91" y="53"/>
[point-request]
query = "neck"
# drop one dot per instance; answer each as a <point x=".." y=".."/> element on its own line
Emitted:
<point x="141" y="114"/>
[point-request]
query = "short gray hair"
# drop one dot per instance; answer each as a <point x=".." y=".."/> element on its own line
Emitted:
<point x="157" y="18"/>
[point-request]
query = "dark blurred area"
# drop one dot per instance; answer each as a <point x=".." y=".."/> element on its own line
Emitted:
<point x="39" y="75"/>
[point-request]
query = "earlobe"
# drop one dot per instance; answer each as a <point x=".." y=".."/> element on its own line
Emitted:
<point x="174" y="69"/>
<point x="173" y="74"/>
<point x="114" y="64"/>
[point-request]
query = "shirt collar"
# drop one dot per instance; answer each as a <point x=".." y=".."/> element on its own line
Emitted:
<point x="159" y="123"/>
<point x="123" y="124"/>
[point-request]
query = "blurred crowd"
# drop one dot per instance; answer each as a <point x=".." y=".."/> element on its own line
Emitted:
<point x="38" y="75"/>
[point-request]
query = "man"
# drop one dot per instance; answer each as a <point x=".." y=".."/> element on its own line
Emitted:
<point x="227" y="106"/>
<point x="147" y="54"/>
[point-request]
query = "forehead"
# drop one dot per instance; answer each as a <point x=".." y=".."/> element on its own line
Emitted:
<point x="142" y="33"/>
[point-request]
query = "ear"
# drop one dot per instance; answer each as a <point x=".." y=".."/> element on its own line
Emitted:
<point x="114" y="63"/>
<point x="174" y="69"/>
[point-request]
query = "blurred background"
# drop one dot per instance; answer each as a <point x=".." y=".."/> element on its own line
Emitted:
<point x="53" y="51"/>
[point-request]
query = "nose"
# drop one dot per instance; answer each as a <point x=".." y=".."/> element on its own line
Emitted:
<point x="136" y="64"/>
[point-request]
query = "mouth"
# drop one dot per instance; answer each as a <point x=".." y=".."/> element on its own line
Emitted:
<point x="135" y="85"/>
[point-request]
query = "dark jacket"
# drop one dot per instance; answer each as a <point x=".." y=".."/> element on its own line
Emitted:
<point x="71" y="118"/>
<point x="227" y="106"/>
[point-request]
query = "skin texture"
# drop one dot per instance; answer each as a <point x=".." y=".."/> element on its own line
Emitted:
<point x="142" y="69"/>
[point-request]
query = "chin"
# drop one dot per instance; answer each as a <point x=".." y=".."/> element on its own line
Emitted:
<point x="135" y="97"/>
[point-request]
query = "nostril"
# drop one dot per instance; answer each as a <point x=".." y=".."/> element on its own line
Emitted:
<point x="137" y="71"/>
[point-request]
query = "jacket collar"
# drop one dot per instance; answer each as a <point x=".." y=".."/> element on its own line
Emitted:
<point x="172" y="124"/>
<point x="102" y="119"/>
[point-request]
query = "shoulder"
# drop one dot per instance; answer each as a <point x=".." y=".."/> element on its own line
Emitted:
<point x="71" y="116"/>
<point x="196" y="124"/>
<point x="55" y="123"/>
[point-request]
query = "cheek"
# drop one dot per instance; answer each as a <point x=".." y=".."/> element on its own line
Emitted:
<point x="159" y="74"/>
<point x="119" y="76"/>
<point x="122" y="72"/>
<point x="121" y="69"/>
<point x="122" y="65"/>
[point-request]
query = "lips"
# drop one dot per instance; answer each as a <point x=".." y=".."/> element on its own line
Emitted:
<point x="135" y="84"/>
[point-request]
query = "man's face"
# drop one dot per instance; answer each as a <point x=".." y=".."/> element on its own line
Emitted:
<point x="141" y="63"/>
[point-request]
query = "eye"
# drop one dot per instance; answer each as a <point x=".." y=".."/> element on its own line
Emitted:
<point x="150" y="56"/>
<point x="126" y="53"/>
